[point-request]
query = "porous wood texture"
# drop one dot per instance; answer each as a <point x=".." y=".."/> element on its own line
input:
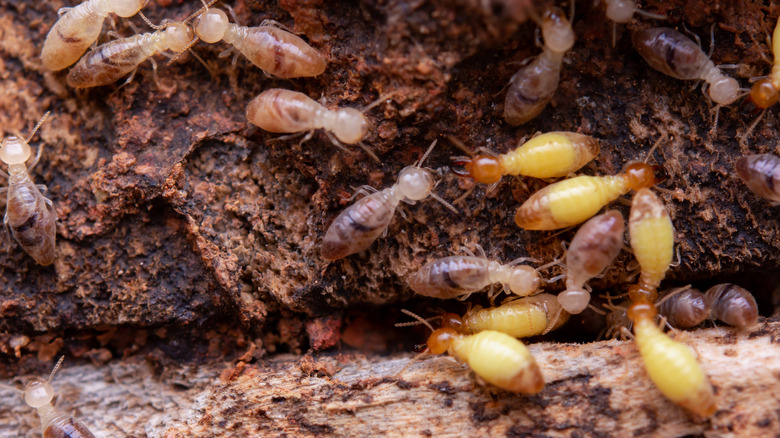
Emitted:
<point x="188" y="239"/>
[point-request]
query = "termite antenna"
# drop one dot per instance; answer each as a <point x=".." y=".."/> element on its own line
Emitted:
<point x="460" y="145"/>
<point x="17" y="390"/>
<point x="40" y="122"/>
<point x="56" y="367"/>
<point x="444" y="203"/>
<point x="386" y="97"/>
<point x="149" y="23"/>
<point x="420" y="320"/>
<point x="430" y="148"/>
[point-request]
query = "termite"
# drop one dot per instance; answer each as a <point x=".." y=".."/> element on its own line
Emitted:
<point x="521" y="318"/>
<point x="460" y="276"/>
<point x="275" y="51"/>
<point x="549" y="155"/>
<point x="28" y="214"/>
<point x="114" y="59"/>
<point x="676" y="55"/>
<point x="496" y="357"/>
<point x="732" y="304"/>
<point x="761" y="173"/>
<point x="766" y="91"/>
<point x="683" y="307"/>
<point x="672" y="366"/>
<point x="575" y="200"/>
<point x="38" y="394"/>
<point x="285" y="111"/>
<point x="75" y="31"/>
<point x="533" y="86"/>
<point x="622" y="11"/>
<point x="592" y="249"/>
<point x="651" y="233"/>
<point x="360" y="224"/>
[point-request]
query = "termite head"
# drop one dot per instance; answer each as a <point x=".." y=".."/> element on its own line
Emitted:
<point x="484" y="169"/>
<point x="452" y="321"/>
<point x="211" y="25"/>
<point x="642" y="311"/>
<point x="574" y="301"/>
<point x="725" y="90"/>
<point x="523" y="280"/>
<point x="178" y="36"/>
<point x="415" y="183"/>
<point x="620" y="11"/>
<point x="441" y="339"/>
<point x="38" y="393"/>
<point x="350" y="126"/>
<point x="557" y="32"/>
<point x="643" y="175"/>
<point x="129" y="8"/>
<point x="14" y="150"/>
<point x="763" y="94"/>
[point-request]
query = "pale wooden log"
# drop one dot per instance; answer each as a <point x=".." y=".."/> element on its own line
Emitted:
<point x="597" y="389"/>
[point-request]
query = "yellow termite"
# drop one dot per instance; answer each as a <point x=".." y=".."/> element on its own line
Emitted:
<point x="652" y="239"/>
<point x="549" y="155"/>
<point x="672" y="366"/>
<point x="592" y="249"/>
<point x="75" y="31"/>
<point x="496" y="357"/>
<point x="114" y="59"/>
<point x="533" y="86"/>
<point x="276" y="51"/>
<point x="39" y="394"/>
<point x="575" y="200"/>
<point x="521" y="318"/>
<point x="766" y="91"/>
<point x="28" y="214"/>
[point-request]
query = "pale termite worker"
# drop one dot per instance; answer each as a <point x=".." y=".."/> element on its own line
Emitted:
<point x="276" y="51"/>
<point x="676" y="55"/>
<point x="28" y="214"/>
<point x="110" y="61"/>
<point x="533" y="86"/>
<point x="79" y="27"/>
<point x="652" y="239"/>
<point x="575" y="200"/>
<point x="360" y="224"/>
<point x="672" y="366"/>
<point x="592" y="249"/>
<point x="38" y="394"/>
<point x="285" y="111"/>
<point x="521" y="318"/>
<point x="683" y="307"/>
<point x="496" y="357"/>
<point x="549" y="155"/>
<point x="733" y="305"/>
<point x="761" y="173"/>
<point x="460" y="276"/>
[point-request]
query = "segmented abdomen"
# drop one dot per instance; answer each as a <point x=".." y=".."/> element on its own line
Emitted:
<point x="276" y="51"/>
<point x="32" y="223"/>
<point x="279" y="110"/>
<point x="66" y="426"/>
<point x="451" y="277"/>
<point x="110" y="61"/>
<point x="531" y="89"/>
<point x="71" y="36"/>
<point x="358" y="226"/>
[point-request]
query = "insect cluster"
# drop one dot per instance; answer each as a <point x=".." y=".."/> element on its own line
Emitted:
<point x="484" y="338"/>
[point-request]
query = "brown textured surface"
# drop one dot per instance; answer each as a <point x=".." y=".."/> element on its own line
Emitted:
<point x="185" y="235"/>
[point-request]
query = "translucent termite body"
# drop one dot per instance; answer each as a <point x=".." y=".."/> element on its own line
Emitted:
<point x="456" y="276"/>
<point x="496" y="357"/>
<point x="110" y="61"/>
<point x="761" y="173"/>
<point x="652" y="239"/>
<point x="75" y="31"/>
<point x="672" y="366"/>
<point x="575" y="200"/>
<point x="550" y="155"/>
<point x="522" y="318"/>
<point x="676" y="55"/>
<point x="276" y="51"/>
<point x="39" y="394"/>
<point x="593" y="248"/>
<point x="683" y="307"/>
<point x="360" y="224"/>
<point x="279" y="110"/>
<point x="765" y="92"/>
<point x="733" y="305"/>
<point x="533" y="86"/>
<point x="28" y="214"/>
<point x="622" y="11"/>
